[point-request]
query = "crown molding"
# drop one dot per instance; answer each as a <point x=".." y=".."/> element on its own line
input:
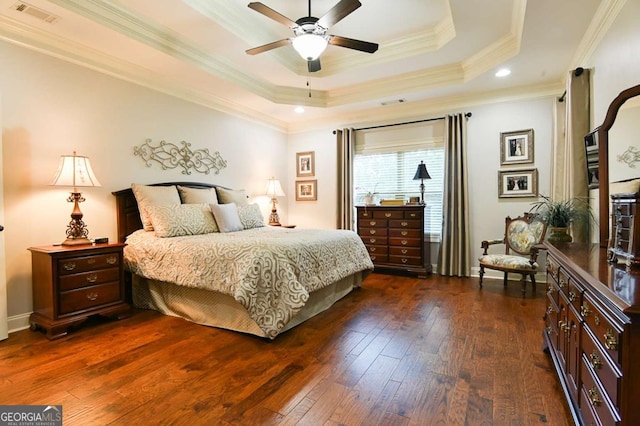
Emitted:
<point x="436" y="106"/>
<point x="602" y="20"/>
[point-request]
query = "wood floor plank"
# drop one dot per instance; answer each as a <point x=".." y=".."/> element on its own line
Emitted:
<point x="399" y="351"/>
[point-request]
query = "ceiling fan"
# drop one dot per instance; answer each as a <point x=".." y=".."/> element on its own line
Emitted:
<point x="311" y="36"/>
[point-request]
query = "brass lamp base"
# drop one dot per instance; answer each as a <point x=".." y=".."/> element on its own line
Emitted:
<point x="75" y="241"/>
<point x="77" y="231"/>
<point x="274" y="220"/>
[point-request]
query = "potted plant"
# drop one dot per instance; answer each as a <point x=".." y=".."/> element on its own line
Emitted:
<point x="559" y="215"/>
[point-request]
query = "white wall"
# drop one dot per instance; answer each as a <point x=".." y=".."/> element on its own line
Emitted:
<point x="487" y="211"/>
<point x="52" y="107"/>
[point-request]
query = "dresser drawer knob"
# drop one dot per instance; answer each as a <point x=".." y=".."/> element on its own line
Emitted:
<point x="404" y="242"/>
<point x="372" y="249"/>
<point x="572" y="296"/>
<point x="610" y="341"/>
<point x="92" y="278"/>
<point x="91" y="261"/>
<point x="372" y="240"/>
<point x="564" y="326"/>
<point x="596" y="319"/>
<point x="404" y="233"/>
<point x="594" y="397"/>
<point x="373" y="258"/>
<point x="404" y="251"/>
<point x="549" y="310"/>
<point x="562" y="283"/>
<point x="387" y="215"/>
<point x="92" y="296"/>
<point x="372" y="223"/>
<point x="112" y="260"/>
<point x="412" y="214"/>
<point x="69" y="266"/>
<point x="404" y="260"/>
<point x="403" y="223"/>
<point x="372" y="231"/>
<point x="549" y="289"/>
<point x="595" y="360"/>
<point x="585" y="310"/>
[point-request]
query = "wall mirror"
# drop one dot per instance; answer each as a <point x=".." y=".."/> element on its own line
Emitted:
<point x="618" y="139"/>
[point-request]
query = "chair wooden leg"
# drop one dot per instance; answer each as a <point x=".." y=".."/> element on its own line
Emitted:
<point x="481" y="274"/>
<point x="533" y="283"/>
<point x="505" y="279"/>
<point x="524" y="284"/>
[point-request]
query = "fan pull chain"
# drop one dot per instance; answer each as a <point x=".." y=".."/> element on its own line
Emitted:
<point x="308" y="87"/>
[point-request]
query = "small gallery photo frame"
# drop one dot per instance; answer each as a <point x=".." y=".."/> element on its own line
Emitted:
<point x="592" y="148"/>
<point x="517" y="183"/>
<point x="516" y="147"/>
<point x="306" y="190"/>
<point x="305" y="164"/>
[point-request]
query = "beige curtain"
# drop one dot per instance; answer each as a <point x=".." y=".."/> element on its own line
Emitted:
<point x="345" y="143"/>
<point x="453" y="257"/>
<point x="569" y="167"/>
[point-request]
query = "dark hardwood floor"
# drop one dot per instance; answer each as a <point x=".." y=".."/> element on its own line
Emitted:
<point x="399" y="351"/>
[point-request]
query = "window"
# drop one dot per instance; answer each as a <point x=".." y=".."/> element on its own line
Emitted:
<point x="387" y="169"/>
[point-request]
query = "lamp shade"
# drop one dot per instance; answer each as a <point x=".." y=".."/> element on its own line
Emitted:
<point x="422" y="172"/>
<point x="274" y="189"/>
<point x="309" y="46"/>
<point x="75" y="170"/>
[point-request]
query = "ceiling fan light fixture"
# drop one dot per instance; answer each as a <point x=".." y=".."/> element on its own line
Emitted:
<point x="309" y="46"/>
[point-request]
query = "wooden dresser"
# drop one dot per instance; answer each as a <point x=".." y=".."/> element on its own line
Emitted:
<point x="394" y="236"/>
<point x="593" y="333"/>
<point x="71" y="283"/>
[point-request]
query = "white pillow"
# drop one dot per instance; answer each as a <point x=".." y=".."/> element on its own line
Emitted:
<point x="251" y="216"/>
<point x="153" y="195"/>
<point x="182" y="219"/>
<point x="197" y="195"/>
<point x="226" y="196"/>
<point x="227" y="217"/>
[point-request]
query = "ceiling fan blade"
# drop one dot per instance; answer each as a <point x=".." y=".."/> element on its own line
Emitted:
<point x="339" y="11"/>
<point x="350" y="43"/>
<point x="314" y="65"/>
<point x="268" y="46"/>
<point x="270" y="13"/>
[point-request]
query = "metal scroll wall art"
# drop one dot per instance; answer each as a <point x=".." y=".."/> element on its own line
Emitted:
<point x="630" y="156"/>
<point x="171" y="156"/>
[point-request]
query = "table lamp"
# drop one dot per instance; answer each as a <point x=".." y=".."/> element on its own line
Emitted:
<point x="422" y="174"/>
<point x="274" y="189"/>
<point x="75" y="171"/>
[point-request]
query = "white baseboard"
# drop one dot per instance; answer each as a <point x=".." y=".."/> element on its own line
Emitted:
<point x="18" y="322"/>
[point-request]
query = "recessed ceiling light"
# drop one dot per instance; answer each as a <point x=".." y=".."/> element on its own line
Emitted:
<point x="503" y="72"/>
<point x="299" y="110"/>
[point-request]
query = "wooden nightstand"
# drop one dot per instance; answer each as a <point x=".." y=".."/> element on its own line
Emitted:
<point x="71" y="283"/>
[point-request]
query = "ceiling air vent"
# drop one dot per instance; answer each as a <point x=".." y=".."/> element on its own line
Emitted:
<point x="395" y="101"/>
<point x="35" y="12"/>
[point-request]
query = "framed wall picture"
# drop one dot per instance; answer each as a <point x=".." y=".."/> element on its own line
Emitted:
<point x="516" y="147"/>
<point x="305" y="164"/>
<point x="306" y="190"/>
<point x="517" y="183"/>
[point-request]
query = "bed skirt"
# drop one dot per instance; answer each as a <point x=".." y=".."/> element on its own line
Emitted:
<point x="220" y="310"/>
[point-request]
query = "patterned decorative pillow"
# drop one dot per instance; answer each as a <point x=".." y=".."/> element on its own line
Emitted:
<point x="148" y="196"/>
<point x="197" y="195"/>
<point x="227" y="217"/>
<point x="238" y="196"/>
<point x="251" y="216"/>
<point x="182" y="219"/>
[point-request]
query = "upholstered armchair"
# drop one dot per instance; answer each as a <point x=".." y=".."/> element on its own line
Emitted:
<point x="522" y="236"/>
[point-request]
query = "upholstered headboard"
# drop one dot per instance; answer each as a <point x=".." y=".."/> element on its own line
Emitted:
<point x="128" y="215"/>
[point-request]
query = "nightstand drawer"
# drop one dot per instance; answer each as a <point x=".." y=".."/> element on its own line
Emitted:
<point x="388" y="214"/>
<point x="85" y="279"/>
<point x="405" y="260"/>
<point x="88" y="297"/>
<point x="372" y="223"/>
<point x="73" y="265"/>
<point x="602" y="327"/>
<point x="600" y="364"/>
<point x="379" y="258"/>
<point x="595" y="397"/>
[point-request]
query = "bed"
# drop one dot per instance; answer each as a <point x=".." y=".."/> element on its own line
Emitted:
<point x="260" y="280"/>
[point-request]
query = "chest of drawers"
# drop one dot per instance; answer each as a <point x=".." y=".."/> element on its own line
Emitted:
<point x="593" y="333"/>
<point x="74" y="282"/>
<point x="625" y="219"/>
<point x="394" y="237"/>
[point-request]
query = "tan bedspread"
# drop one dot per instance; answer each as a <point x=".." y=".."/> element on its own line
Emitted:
<point x="270" y="271"/>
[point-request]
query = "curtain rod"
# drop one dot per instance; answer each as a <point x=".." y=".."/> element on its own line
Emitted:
<point x="467" y="114"/>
